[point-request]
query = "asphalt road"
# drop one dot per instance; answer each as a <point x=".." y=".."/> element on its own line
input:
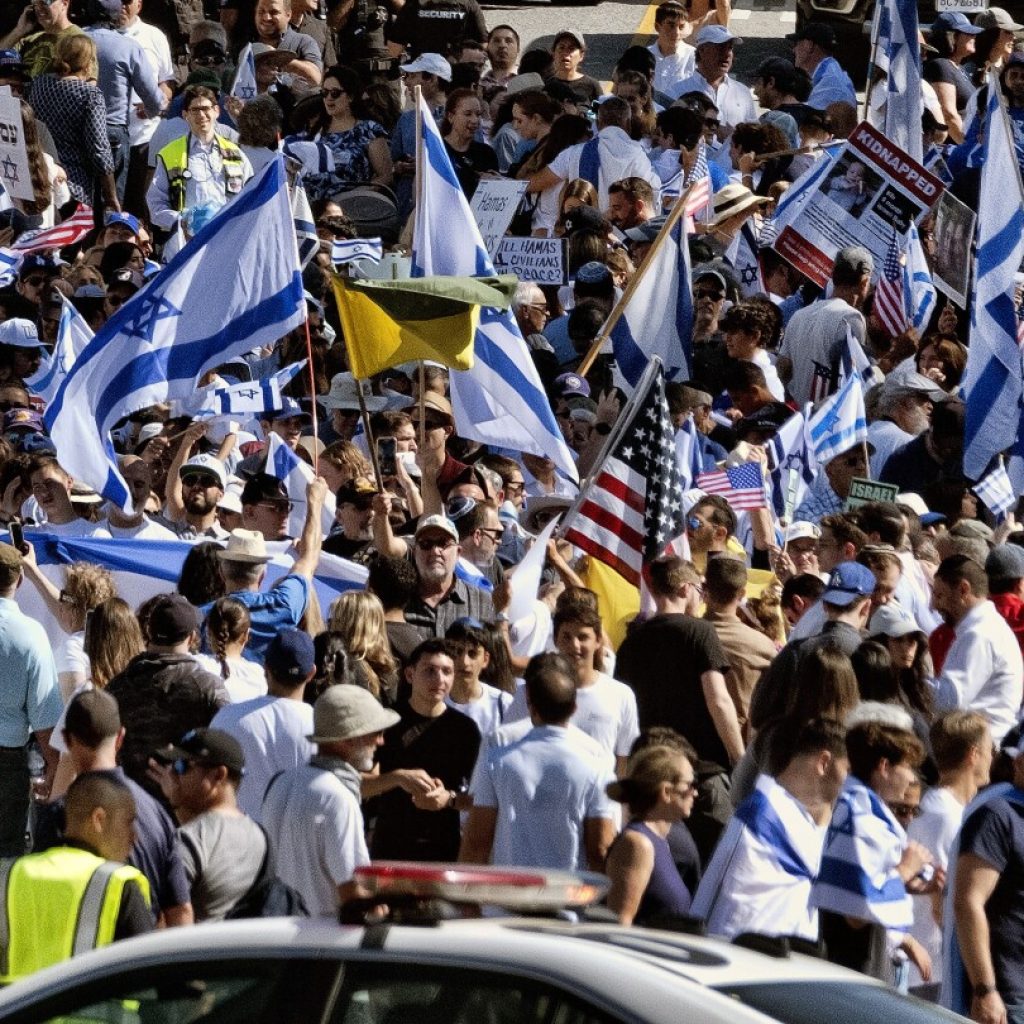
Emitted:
<point x="611" y="26"/>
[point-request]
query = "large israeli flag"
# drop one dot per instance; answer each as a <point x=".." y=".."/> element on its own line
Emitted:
<point x="992" y="381"/>
<point x="73" y="334"/>
<point x="500" y="400"/>
<point x="234" y="287"/>
<point x="903" y="81"/>
<point x="658" y="319"/>
<point x="839" y="422"/>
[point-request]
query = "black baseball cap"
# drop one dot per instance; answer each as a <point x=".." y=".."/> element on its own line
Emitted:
<point x="817" y="32"/>
<point x="208" y="747"/>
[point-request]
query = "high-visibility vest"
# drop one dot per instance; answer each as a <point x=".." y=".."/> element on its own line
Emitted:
<point x="58" y="903"/>
<point x="175" y="159"/>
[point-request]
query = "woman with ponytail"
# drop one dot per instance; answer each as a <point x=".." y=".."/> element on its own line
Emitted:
<point x="658" y="788"/>
<point x="227" y="633"/>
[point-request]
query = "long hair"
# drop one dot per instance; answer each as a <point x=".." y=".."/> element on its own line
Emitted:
<point x="455" y="97"/>
<point x="201" y="579"/>
<point x="38" y="171"/>
<point x="227" y="623"/>
<point x="566" y="130"/>
<point x="575" y="188"/>
<point x="358" y="618"/>
<point x="499" y="672"/>
<point x="349" y="80"/>
<point x="113" y="639"/>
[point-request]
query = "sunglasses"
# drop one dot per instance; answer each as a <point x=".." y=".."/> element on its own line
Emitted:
<point x="210" y="60"/>
<point x="199" y="480"/>
<point x="332" y="93"/>
<point x="693" y="523"/>
<point x="35" y="281"/>
<point x="905" y="810"/>
<point x="685" y="787"/>
<point x="275" y="506"/>
<point x="438" y="542"/>
<point x="704" y="293"/>
<point x="429" y="424"/>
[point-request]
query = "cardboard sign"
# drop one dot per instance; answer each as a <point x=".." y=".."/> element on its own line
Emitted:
<point x="863" y="491"/>
<point x="14" y="169"/>
<point x="494" y="204"/>
<point x="872" y="189"/>
<point x="538" y="260"/>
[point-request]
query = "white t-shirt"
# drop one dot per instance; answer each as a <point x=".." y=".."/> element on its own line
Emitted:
<point x="57" y="736"/>
<point x="488" y="710"/>
<point x="935" y="830"/>
<point x="146" y="530"/>
<point x="76" y="528"/>
<point x="246" y="679"/>
<point x="158" y="55"/>
<point x="272" y="732"/>
<point x="70" y="655"/>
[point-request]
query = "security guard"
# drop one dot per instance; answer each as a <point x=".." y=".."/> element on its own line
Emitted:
<point x="201" y="168"/>
<point x="79" y="896"/>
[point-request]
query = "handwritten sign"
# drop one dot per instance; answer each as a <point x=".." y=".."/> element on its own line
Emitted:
<point x="539" y="260"/>
<point x="14" y="169"/>
<point x="494" y="204"/>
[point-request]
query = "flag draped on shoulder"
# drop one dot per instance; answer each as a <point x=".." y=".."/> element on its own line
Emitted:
<point x="73" y="334"/>
<point x="392" y="322"/>
<point x="501" y="400"/>
<point x="992" y="381"/>
<point x="658" y="314"/>
<point x="840" y="422"/>
<point x="234" y="287"/>
<point x="632" y="508"/>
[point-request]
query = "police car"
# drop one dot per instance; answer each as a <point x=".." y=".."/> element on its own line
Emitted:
<point x="425" y="962"/>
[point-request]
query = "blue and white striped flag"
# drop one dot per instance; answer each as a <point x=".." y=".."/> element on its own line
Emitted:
<point x="996" y="490"/>
<point x="466" y="571"/>
<point x="688" y="457"/>
<point x="796" y="197"/>
<point x="853" y="359"/>
<point x="10" y="262"/>
<point x="903" y="81"/>
<point x="918" y="288"/>
<point x="658" y="320"/>
<point x="500" y="401"/>
<point x="863" y="847"/>
<point x="244" y="86"/>
<point x="992" y="381"/>
<point x="791" y="464"/>
<point x="351" y="250"/>
<point x="839" y="422"/>
<point x="247" y="398"/>
<point x="306" y="237"/>
<point x="73" y="334"/>
<point x="296" y="476"/>
<point x="234" y="287"/>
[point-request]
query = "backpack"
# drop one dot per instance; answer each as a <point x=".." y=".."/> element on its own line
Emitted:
<point x="268" y="896"/>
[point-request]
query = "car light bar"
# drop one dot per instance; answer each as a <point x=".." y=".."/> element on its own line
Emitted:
<point x="510" y="888"/>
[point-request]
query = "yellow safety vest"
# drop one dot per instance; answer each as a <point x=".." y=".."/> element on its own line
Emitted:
<point x="58" y="903"/>
<point x="175" y="159"/>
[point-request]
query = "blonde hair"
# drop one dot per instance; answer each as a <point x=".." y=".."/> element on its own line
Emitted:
<point x="73" y="54"/>
<point x="86" y="586"/>
<point x="646" y="772"/>
<point x="358" y="618"/>
<point x="114" y="638"/>
<point x="345" y="457"/>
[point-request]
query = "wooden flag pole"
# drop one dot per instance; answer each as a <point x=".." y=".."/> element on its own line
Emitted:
<point x="620" y="307"/>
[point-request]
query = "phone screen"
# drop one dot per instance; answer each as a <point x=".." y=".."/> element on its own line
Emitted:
<point x="387" y="455"/>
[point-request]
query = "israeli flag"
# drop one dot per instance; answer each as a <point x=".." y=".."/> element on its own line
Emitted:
<point x="840" y="422"/>
<point x="351" y="250"/>
<point x="996" y="490"/>
<point x="788" y="454"/>
<point x="796" y="197"/>
<point x="918" y="289"/>
<point x="854" y="360"/>
<point x="500" y="401"/>
<point x="305" y="227"/>
<point x="658" y="319"/>
<point x="992" y="381"/>
<point x="689" y="461"/>
<point x="10" y="263"/>
<point x="235" y="287"/>
<point x="903" y="81"/>
<point x="247" y="398"/>
<point x="296" y="476"/>
<point x="73" y="334"/>
<point x="466" y="571"/>
<point x="244" y="86"/>
<point x="859" y="876"/>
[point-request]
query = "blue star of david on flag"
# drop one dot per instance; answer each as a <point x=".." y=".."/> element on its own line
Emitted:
<point x="151" y="311"/>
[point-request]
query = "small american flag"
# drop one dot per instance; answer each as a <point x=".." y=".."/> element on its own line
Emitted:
<point x="632" y="509"/>
<point x="889" y="306"/>
<point x="996" y="490"/>
<point x="72" y="230"/>
<point x="700" y="179"/>
<point x="742" y="486"/>
<point x="822" y="382"/>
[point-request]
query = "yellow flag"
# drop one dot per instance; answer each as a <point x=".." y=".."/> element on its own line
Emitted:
<point x="618" y="601"/>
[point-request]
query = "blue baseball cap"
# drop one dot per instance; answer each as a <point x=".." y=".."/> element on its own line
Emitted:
<point x="954" y="21"/>
<point x="115" y="217"/>
<point x="290" y="656"/>
<point x="849" y="581"/>
<point x="289" y="408"/>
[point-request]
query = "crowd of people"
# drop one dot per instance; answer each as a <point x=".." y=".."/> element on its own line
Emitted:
<point x="813" y="727"/>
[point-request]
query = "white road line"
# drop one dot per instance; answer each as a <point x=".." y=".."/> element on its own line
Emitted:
<point x="788" y="16"/>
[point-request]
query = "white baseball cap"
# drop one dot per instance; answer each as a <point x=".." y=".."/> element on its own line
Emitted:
<point x="431" y="63"/>
<point x="716" y="34"/>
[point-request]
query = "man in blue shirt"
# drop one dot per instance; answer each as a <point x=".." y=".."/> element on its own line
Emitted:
<point x="30" y="704"/>
<point x="813" y="47"/>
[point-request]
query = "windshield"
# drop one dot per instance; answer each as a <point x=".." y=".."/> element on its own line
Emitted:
<point x="806" y="1002"/>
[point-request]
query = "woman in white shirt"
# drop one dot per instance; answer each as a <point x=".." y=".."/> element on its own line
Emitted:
<point x="227" y="633"/>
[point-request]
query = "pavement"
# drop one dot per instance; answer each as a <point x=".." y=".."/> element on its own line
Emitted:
<point x="611" y="26"/>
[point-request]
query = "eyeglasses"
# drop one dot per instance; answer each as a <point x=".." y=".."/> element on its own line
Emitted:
<point x="35" y="281"/>
<point x="693" y="523"/>
<point x="116" y="300"/>
<point x="438" y="542"/>
<point x="199" y="480"/>
<point x="685" y="787"/>
<point x="493" y="532"/>
<point x="275" y="506"/>
<point x="208" y="60"/>
<point x="707" y="293"/>
<point x="905" y="810"/>
<point x="711" y="122"/>
<point x="360" y="504"/>
<point x="205" y="108"/>
<point x="332" y="94"/>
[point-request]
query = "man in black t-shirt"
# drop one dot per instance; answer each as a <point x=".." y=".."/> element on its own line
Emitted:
<point x="436" y="26"/>
<point x="988" y="902"/>
<point x="435" y="739"/>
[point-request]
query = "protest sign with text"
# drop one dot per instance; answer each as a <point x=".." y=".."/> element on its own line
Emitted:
<point x="872" y="190"/>
<point x="539" y="260"/>
<point x="494" y="204"/>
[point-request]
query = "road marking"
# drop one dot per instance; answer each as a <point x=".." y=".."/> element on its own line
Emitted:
<point x="788" y="16"/>
<point x="740" y="15"/>
<point x="646" y="27"/>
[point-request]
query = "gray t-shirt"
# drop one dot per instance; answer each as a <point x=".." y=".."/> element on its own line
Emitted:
<point x="222" y="855"/>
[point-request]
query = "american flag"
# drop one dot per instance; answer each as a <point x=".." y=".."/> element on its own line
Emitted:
<point x="632" y="508"/>
<point x="742" y="486"/>
<point x="72" y="230"/>
<point x="700" y="179"/>
<point x="823" y="382"/>
<point x="889" y="306"/>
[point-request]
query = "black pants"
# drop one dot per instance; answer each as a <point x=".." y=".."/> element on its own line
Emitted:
<point x="14" y="800"/>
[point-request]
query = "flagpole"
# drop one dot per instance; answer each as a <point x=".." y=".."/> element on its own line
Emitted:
<point x="621" y="425"/>
<point x="312" y="393"/>
<point x="417" y="187"/>
<point x="876" y="22"/>
<point x="620" y="307"/>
